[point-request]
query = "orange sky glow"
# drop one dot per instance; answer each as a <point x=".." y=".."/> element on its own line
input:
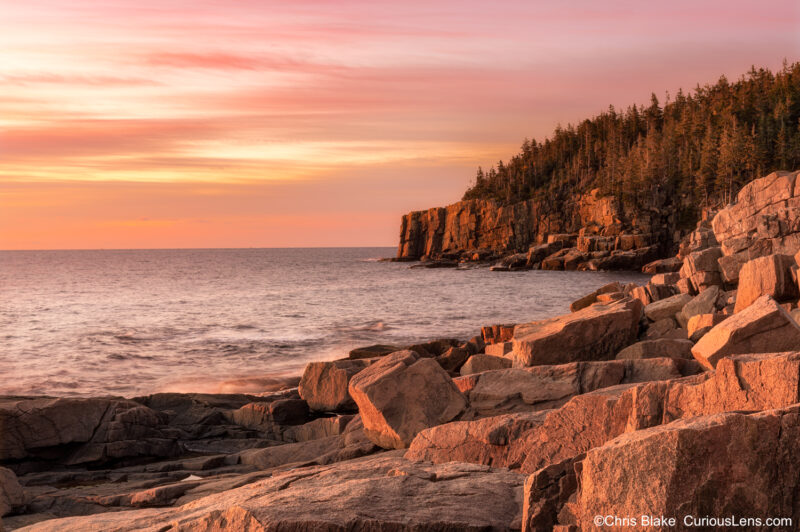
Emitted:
<point x="314" y="123"/>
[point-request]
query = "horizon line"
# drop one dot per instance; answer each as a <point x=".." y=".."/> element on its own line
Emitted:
<point x="195" y="248"/>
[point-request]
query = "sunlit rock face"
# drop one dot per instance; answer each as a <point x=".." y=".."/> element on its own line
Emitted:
<point x="468" y="225"/>
<point x="763" y="220"/>
<point x="592" y="224"/>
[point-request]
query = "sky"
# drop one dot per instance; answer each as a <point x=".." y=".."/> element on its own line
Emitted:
<point x="185" y="124"/>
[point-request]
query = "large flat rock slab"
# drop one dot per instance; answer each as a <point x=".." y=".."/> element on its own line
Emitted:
<point x="385" y="492"/>
<point x="501" y="441"/>
<point x="544" y="387"/>
<point x="597" y="332"/>
<point x="727" y="464"/>
<point x="763" y="327"/>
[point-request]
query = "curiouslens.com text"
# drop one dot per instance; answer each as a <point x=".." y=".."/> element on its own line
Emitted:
<point x="617" y="521"/>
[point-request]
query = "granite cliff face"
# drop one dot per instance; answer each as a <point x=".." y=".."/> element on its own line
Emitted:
<point x="596" y="232"/>
<point x="468" y="225"/>
<point x="594" y="225"/>
<point x="763" y="220"/>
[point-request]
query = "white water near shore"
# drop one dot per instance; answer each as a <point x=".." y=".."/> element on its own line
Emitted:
<point x="140" y="321"/>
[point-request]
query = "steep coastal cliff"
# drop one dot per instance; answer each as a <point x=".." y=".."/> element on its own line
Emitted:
<point x="472" y="225"/>
<point x="593" y="226"/>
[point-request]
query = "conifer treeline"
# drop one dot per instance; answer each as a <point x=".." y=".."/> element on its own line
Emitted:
<point x="700" y="147"/>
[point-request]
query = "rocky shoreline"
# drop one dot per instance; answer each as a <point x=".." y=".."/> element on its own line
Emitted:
<point x="677" y="398"/>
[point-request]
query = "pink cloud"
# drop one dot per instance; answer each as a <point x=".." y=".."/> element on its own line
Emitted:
<point x="60" y="79"/>
<point x="221" y="61"/>
<point x="388" y="91"/>
<point x="78" y="138"/>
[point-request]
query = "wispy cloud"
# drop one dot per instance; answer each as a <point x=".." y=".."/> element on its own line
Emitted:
<point x="217" y="61"/>
<point x="60" y="79"/>
<point x="408" y="96"/>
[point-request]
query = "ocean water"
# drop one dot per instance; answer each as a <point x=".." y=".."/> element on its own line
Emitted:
<point x="131" y="322"/>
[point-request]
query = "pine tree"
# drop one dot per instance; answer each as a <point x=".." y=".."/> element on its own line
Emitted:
<point x="709" y="159"/>
<point x="702" y="145"/>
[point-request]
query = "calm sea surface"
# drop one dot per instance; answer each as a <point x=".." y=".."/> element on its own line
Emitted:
<point x="141" y="321"/>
